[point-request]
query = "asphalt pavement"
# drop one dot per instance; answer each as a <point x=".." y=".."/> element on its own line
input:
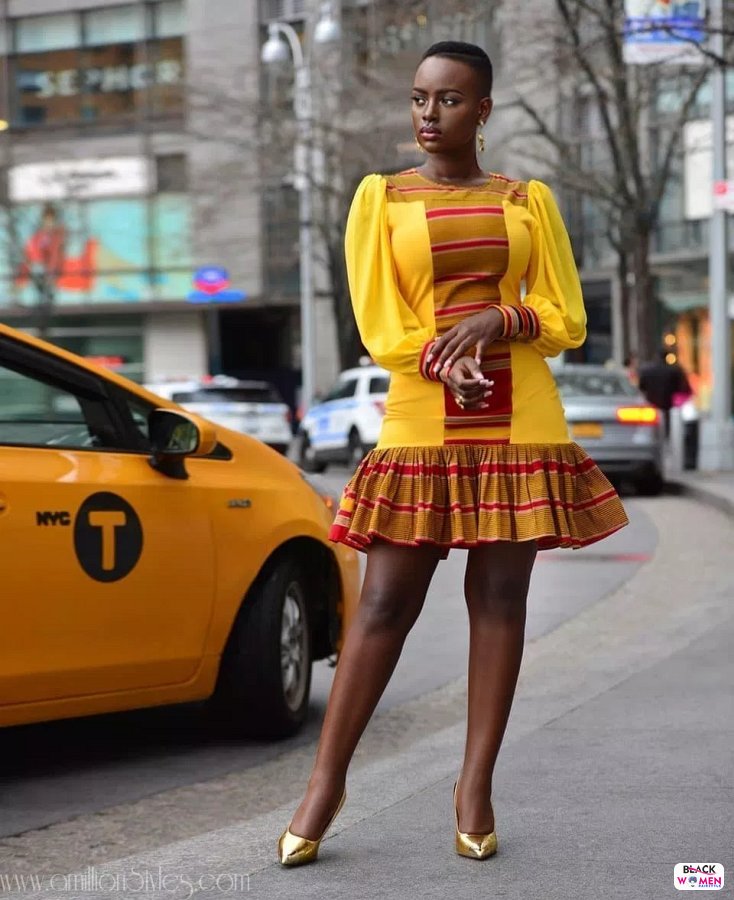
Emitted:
<point x="121" y="762"/>
<point x="616" y="765"/>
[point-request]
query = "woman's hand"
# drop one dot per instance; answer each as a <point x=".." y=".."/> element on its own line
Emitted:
<point x="467" y="383"/>
<point x="477" y="331"/>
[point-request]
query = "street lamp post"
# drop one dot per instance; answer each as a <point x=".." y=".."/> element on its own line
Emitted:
<point x="717" y="437"/>
<point x="275" y="50"/>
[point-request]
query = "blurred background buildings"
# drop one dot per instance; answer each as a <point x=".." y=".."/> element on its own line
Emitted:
<point x="149" y="187"/>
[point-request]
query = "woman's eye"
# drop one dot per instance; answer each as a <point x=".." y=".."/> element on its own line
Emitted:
<point x="450" y="101"/>
<point x="418" y="100"/>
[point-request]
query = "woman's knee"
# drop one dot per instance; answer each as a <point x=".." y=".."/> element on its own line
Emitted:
<point x="503" y="595"/>
<point x="383" y="610"/>
<point x="498" y="578"/>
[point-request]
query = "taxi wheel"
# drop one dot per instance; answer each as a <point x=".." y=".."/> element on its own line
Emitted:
<point x="306" y="458"/>
<point x="265" y="677"/>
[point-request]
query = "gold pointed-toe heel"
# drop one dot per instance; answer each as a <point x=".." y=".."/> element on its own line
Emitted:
<point x="294" y="850"/>
<point x="475" y="846"/>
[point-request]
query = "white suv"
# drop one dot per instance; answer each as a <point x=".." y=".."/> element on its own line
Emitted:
<point x="345" y="424"/>
<point x="252" y="407"/>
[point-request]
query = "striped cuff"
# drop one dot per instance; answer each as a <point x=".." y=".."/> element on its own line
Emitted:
<point x="522" y="323"/>
<point x="428" y="369"/>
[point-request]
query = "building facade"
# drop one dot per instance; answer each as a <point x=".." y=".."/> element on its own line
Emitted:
<point x="680" y="241"/>
<point x="150" y="211"/>
<point x="133" y="216"/>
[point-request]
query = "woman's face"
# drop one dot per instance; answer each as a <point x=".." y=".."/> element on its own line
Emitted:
<point x="447" y="104"/>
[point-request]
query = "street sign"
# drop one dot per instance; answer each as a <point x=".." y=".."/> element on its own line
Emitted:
<point x="664" y="31"/>
<point x="213" y="286"/>
<point x="724" y="195"/>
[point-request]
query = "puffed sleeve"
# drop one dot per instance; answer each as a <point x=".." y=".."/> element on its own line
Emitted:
<point x="552" y="314"/>
<point x="390" y="330"/>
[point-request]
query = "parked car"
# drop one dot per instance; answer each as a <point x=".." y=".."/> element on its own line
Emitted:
<point x="150" y="557"/>
<point x="344" y="424"/>
<point x="614" y="423"/>
<point x="252" y="407"/>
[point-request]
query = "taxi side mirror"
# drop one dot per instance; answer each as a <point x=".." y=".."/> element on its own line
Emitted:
<point x="174" y="435"/>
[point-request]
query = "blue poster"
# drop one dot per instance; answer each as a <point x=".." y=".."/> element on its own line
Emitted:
<point x="664" y="31"/>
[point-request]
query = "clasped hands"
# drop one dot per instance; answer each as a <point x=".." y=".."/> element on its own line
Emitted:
<point x="462" y="372"/>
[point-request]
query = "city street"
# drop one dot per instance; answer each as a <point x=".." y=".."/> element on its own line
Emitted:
<point x="156" y="785"/>
<point x="491" y="241"/>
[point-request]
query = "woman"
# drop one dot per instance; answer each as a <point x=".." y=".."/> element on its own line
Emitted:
<point x="474" y="451"/>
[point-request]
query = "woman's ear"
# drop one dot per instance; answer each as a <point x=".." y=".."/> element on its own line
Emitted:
<point x="485" y="108"/>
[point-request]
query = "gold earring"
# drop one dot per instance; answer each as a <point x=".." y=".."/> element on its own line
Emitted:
<point x="480" y="138"/>
<point x="418" y="145"/>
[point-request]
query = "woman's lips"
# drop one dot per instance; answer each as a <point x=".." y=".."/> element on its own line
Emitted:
<point x="430" y="134"/>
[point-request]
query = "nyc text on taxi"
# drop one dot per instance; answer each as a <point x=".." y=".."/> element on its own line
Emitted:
<point x="149" y="557"/>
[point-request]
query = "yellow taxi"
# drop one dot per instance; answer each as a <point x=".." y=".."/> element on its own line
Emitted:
<point x="149" y="557"/>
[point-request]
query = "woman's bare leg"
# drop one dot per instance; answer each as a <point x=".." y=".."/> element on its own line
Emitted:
<point x="393" y="593"/>
<point x="496" y="587"/>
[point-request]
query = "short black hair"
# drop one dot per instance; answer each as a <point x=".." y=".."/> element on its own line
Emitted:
<point x="470" y="54"/>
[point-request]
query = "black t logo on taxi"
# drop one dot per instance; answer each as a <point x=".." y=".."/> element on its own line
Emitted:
<point x="108" y="537"/>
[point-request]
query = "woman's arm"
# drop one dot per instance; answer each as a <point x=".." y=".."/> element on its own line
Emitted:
<point x="388" y="327"/>
<point x="553" y="304"/>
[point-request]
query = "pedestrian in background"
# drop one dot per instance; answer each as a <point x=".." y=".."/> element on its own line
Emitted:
<point x="665" y="385"/>
<point x="474" y="450"/>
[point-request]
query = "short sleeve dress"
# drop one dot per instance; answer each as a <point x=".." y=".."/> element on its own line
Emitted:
<point x="421" y="256"/>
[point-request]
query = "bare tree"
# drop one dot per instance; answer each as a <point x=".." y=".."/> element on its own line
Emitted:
<point x="598" y="134"/>
<point x="361" y="121"/>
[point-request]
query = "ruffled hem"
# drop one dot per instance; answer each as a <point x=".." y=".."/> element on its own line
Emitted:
<point x="464" y="495"/>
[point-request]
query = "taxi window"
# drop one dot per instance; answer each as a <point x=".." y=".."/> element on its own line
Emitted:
<point x="139" y="411"/>
<point x="37" y="413"/>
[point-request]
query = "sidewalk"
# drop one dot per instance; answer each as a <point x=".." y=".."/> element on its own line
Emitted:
<point x="712" y="488"/>
<point x="616" y="764"/>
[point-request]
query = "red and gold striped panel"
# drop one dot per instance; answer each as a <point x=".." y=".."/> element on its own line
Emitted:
<point x="470" y="253"/>
<point x="470" y="494"/>
<point x="498" y="415"/>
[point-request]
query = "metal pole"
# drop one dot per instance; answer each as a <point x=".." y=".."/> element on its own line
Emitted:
<point x="303" y="182"/>
<point x="303" y="157"/>
<point x="717" y="438"/>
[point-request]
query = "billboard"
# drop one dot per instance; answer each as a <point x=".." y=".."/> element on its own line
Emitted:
<point x="664" y="31"/>
<point x="112" y="176"/>
<point x="123" y="250"/>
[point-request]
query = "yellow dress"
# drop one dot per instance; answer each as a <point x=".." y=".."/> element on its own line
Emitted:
<point x="420" y="257"/>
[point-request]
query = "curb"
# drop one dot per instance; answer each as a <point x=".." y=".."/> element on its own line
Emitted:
<point x="703" y="494"/>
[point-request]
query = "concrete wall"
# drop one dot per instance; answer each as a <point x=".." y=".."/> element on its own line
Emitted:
<point x="223" y="76"/>
<point x="174" y="346"/>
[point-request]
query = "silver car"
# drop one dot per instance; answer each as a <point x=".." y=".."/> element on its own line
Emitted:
<point x="614" y="423"/>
